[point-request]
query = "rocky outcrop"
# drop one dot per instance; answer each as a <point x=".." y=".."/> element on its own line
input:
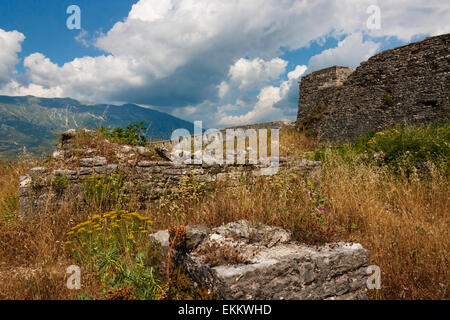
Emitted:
<point x="409" y="83"/>
<point x="241" y="261"/>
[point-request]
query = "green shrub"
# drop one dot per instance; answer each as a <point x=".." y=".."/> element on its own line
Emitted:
<point x="133" y="134"/>
<point x="402" y="149"/>
<point x="59" y="183"/>
<point x="405" y="148"/>
<point x="137" y="275"/>
<point x="388" y="99"/>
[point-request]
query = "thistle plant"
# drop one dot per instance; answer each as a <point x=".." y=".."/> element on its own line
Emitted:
<point x="317" y="201"/>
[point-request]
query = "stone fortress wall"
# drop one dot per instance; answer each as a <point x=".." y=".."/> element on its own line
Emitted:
<point x="409" y="83"/>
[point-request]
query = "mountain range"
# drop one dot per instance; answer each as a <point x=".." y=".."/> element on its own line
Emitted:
<point x="35" y="123"/>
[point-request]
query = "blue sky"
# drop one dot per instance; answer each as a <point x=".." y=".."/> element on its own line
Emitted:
<point x="223" y="62"/>
<point x="44" y="25"/>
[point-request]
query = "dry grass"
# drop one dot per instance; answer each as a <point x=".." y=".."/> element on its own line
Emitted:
<point x="94" y="143"/>
<point x="33" y="259"/>
<point x="10" y="173"/>
<point x="296" y="144"/>
<point x="403" y="222"/>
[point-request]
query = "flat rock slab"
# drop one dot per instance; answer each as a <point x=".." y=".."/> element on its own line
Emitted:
<point x="239" y="261"/>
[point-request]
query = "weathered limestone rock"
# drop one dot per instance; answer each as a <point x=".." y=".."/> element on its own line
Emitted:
<point x="143" y="151"/>
<point x="85" y="171"/>
<point x="93" y="162"/>
<point x="69" y="134"/>
<point x="125" y="149"/>
<point x="36" y="171"/>
<point x="162" y="237"/>
<point x="61" y="172"/>
<point x="195" y="235"/>
<point x="271" y="266"/>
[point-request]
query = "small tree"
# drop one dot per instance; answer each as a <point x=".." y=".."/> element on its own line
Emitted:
<point x="134" y="134"/>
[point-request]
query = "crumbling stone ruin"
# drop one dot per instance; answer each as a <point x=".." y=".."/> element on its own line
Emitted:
<point x="241" y="261"/>
<point x="149" y="175"/>
<point x="409" y="83"/>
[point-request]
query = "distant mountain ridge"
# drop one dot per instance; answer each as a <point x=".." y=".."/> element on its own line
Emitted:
<point x="34" y="122"/>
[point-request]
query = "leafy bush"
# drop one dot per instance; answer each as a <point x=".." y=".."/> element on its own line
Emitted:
<point x="133" y="134"/>
<point x="401" y="149"/>
<point x="404" y="148"/>
<point x="59" y="183"/>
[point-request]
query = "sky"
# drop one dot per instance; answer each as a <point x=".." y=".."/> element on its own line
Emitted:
<point x="225" y="62"/>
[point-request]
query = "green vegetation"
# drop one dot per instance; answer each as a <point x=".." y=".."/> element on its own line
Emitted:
<point x="59" y="183"/>
<point x="8" y="207"/>
<point x="105" y="192"/>
<point x="116" y="247"/>
<point x="403" y="149"/>
<point x="388" y="99"/>
<point x="133" y="134"/>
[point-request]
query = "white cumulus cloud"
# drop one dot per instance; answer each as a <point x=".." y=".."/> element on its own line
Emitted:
<point x="349" y="53"/>
<point x="248" y="74"/>
<point x="269" y="103"/>
<point x="10" y="45"/>
<point x="190" y="57"/>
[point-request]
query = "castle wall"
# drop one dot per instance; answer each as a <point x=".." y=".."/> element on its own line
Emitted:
<point x="314" y="87"/>
<point x="409" y="83"/>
